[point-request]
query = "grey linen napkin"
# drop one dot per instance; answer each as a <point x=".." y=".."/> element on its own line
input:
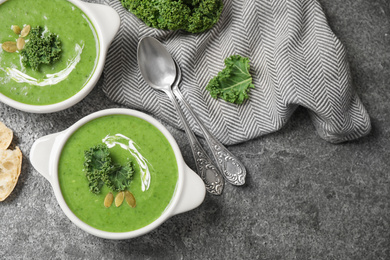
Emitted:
<point x="295" y="59"/>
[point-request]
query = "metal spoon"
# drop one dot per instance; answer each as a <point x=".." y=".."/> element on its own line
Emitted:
<point x="159" y="71"/>
<point x="232" y="169"/>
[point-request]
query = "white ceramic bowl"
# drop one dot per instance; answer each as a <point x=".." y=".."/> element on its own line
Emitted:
<point x="106" y="22"/>
<point x="46" y="151"/>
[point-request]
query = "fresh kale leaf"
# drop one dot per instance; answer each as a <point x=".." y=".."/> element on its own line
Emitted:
<point x="193" y="16"/>
<point x="100" y="169"/>
<point x="41" y="48"/>
<point x="234" y="82"/>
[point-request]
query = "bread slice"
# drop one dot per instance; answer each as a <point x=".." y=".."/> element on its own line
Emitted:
<point x="6" y="136"/>
<point x="10" y="167"/>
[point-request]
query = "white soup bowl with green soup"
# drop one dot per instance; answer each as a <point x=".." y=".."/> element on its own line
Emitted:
<point x="117" y="173"/>
<point x="52" y="52"/>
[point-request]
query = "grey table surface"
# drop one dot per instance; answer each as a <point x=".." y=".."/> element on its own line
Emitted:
<point x="304" y="198"/>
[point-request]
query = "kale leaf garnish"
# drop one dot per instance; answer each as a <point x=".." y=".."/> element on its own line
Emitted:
<point x="100" y="169"/>
<point x="41" y="48"/>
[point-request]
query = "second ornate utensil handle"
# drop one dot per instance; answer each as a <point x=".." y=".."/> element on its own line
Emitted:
<point x="232" y="169"/>
<point x="210" y="174"/>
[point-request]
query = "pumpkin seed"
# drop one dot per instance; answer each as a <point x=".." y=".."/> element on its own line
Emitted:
<point x="25" y="31"/>
<point x="16" y="29"/>
<point x="130" y="199"/>
<point x="20" y="43"/>
<point x="119" y="198"/>
<point x="108" y="200"/>
<point x="9" y="46"/>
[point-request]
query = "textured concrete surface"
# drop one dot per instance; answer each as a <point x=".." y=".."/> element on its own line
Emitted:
<point x="304" y="198"/>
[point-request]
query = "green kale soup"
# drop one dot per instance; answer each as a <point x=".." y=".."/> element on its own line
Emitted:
<point x="51" y="83"/>
<point x="154" y="179"/>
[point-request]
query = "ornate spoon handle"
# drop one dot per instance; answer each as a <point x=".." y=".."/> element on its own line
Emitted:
<point x="207" y="171"/>
<point x="232" y="169"/>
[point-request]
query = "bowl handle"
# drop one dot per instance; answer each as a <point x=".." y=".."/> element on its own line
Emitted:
<point x="194" y="192"/>
<point x="40" y="153"/>
<point x="107" y="19"/>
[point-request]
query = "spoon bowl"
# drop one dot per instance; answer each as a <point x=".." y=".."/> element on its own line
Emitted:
<point x="156" y="64"/>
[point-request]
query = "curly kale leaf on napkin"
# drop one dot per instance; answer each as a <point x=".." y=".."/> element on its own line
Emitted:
<point x="234" y="82"/>
<point x="193" y="16"/>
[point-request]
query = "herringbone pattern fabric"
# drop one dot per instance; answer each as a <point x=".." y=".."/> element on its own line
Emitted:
<point x="296" y="60"/>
